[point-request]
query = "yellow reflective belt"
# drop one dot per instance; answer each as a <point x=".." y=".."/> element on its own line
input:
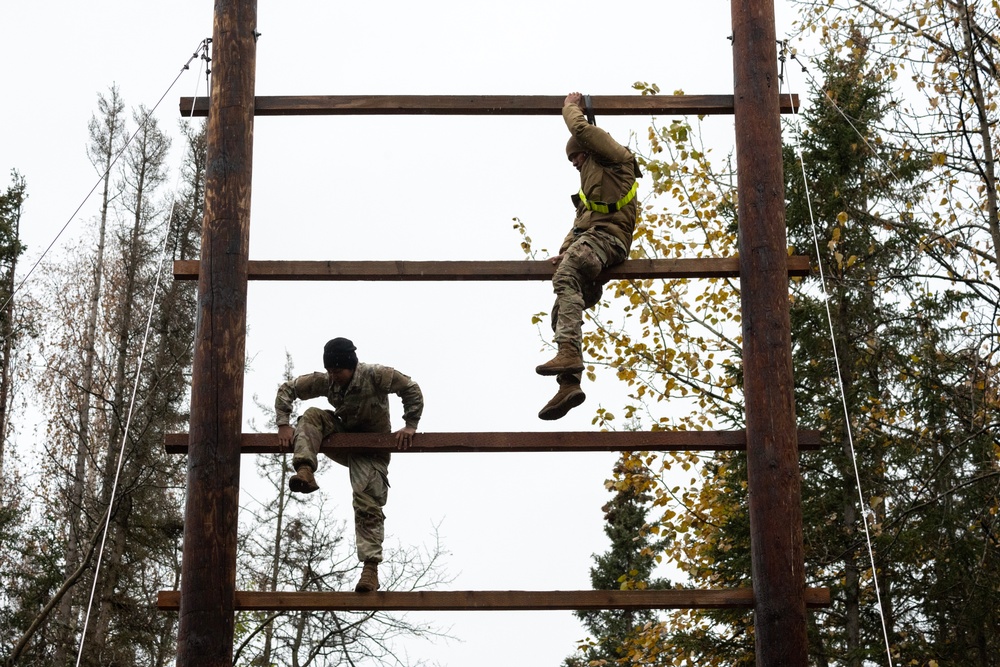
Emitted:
<point x="603" y="207"/>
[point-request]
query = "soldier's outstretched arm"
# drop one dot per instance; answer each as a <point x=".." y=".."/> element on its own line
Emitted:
<point x="411" y="396"/>
<point x="592" y="137"/>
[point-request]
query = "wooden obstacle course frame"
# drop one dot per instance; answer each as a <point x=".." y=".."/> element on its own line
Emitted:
<point x="207" y="600"/>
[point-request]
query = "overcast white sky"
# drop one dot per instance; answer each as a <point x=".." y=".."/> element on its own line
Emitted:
<point x="344" y="187"/>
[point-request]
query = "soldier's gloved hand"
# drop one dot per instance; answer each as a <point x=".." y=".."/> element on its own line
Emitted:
<point x="285" y="435"/>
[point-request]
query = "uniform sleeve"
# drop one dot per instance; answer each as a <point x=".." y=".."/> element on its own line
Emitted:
<point x="592" y="137"/>
<point x="409" y="391"/>
<point x="303" y="387"/>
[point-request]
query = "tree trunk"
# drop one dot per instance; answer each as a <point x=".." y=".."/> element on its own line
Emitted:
<point x="282" y="503"/>
<point x="103" y="135"/>
<point x="987" y="164"/>
<point x="143" y="172"/>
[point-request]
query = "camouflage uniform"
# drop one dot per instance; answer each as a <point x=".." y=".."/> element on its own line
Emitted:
<point x="598" y="240"/>
<point x="360" y="407"/>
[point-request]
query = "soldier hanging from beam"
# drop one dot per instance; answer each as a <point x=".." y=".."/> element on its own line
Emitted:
<point x="606" y="213"/>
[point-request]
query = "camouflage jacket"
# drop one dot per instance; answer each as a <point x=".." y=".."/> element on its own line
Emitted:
<point x="363" y="404"/>
<point x="606" y="176"/>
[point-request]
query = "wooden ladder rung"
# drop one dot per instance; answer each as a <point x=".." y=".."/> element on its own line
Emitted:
<point x="511" y="270"/>
<point x="558" y="441"/>
<point x="482" y="105"/>
<point x="494" y="600"/>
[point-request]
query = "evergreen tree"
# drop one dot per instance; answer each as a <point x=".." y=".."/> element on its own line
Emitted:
<point x="871" y="300"/>
<point x="906" y="386"/>
<point x="861" y="208"/>
<point x="916" y="440"/>
<point x="919" y="391"/>
<point x="10" y="249"/>
<point x="629" y="563"/>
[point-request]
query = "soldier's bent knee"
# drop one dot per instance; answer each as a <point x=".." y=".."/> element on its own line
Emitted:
<point x="313" y="416"/>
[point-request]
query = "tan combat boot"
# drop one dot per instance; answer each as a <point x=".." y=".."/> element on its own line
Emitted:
<point x="303" y="481"/>
<point x="567" y="360"/>
<point x="568" y="397"/>
<point x="369" y="578"/>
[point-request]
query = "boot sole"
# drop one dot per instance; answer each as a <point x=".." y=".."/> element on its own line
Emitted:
<point x="556" y="370"/>
<point x="299" y="486"/>
<point x="559" y="410"/>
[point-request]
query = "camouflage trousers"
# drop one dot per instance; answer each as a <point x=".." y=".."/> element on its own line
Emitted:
<point x="369" y="477"/>
<point x="577" y="288"/>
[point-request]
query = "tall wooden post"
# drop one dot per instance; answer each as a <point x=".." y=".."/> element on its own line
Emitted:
<point x="772" y="455"/>
<point x="208" y="569"/>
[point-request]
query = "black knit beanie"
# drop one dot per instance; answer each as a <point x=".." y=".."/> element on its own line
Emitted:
<point x="339" y="353"/>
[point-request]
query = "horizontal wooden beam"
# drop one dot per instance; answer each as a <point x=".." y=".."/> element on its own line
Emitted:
<point x="481" y="105"/>
<point x="557" y="441"/>
<point x="494" y="600"/>
<point x="512" y="270"/>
